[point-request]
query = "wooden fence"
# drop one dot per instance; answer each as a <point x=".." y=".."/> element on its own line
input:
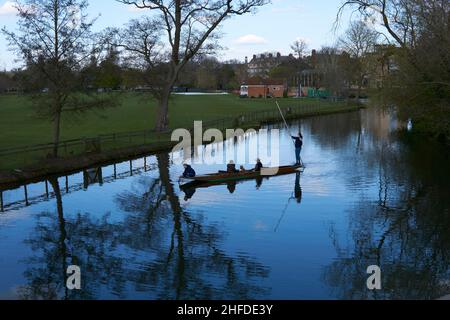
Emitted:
<point x="19" y="157"/>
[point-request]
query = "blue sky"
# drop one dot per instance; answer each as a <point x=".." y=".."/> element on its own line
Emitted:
<point x="273" y="28"/>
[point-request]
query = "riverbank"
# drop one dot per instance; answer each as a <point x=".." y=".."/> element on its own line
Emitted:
<point x="64" y="165"/>
<point x="135" y="112"/>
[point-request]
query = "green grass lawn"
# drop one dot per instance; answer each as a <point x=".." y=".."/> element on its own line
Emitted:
<point x="19" y="125"/>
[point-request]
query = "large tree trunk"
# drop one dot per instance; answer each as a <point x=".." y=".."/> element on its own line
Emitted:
<point x="162" y="113"/>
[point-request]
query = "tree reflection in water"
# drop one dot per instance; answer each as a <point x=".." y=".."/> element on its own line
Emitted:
<point x="406" y="232"/>
<point x="398" y="211"/>
<point x="158" y="251"/>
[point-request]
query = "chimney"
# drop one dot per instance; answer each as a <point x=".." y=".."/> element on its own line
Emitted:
<point x="246" y="60"/>
<point x="254" y="57"/>
<point x="314" y="58"/>
<point x="278" y="55"/>
<point x="270" y="55"/>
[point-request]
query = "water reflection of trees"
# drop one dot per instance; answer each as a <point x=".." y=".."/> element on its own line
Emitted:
<point x="158" y="251"/>
<point x="337" y="131"/>
<point x="59" y="241"/>
<point x="406" y="232"/>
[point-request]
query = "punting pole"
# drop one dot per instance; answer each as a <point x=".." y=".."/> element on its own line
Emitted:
<point x="287" y="127"/>
<point x="282" y="115"/>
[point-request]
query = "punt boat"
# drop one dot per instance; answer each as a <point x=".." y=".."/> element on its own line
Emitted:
<point x="222" y="176"/>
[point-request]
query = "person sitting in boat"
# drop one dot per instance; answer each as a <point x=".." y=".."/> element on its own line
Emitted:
<point x="189" y="172"/>
<point x="243" y="169"/>
<point x="231" y="167"/>
<point x="259" y="166"/>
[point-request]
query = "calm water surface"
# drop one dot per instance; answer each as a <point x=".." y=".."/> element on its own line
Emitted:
<point x="368" y="196"/>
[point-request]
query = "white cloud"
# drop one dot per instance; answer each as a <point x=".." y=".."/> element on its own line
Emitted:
<point x="250" y="39"/>
<point x="7" y="9"/>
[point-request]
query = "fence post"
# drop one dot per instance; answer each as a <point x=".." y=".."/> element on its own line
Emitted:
<point x="26" y="195"/>
<point x="1" y="201"/>
<point x="46" y="189"/>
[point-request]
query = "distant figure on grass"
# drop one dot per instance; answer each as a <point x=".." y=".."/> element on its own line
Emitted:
<point x="298" y="148"/>
<point x="188" y="171"/>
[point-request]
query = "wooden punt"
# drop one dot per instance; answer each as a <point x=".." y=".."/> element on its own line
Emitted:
<point x="222" y="177"/>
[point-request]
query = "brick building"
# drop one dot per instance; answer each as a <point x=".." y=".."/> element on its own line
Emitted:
<point x="263" y="88"/>
<point x="261" y="65"/>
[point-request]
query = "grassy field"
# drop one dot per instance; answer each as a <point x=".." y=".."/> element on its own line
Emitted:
<point x="19" y="125"/>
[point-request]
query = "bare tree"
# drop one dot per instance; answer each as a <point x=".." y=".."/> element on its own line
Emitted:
<point x="189" y="27"/>
<point x="141" y="40"/>
<point x="359" y="42"/>
<point x="420" y="30"/>
<point x="397" y="17"/>
<point x="359" y="39"/>
<point x="330" y="67"/>
<point x="142" y="50"/>
<point x="299" y="47"/>
<point x="54" y="38"/>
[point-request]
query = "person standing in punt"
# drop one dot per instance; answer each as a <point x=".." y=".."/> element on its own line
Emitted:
<point x="298" y="140"/>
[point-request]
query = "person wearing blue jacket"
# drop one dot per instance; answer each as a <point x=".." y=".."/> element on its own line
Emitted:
<point x="298" y="148"/>
<point x="189" y="172"/>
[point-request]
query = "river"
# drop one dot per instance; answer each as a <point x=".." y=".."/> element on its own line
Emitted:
<point x="368" y="196"/>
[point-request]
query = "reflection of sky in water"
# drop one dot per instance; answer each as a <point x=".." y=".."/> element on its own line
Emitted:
<point x="293" y="240"/>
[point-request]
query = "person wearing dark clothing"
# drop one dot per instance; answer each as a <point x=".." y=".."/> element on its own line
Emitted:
<point x="259" y="166"/>
<point x="231" y="167"/>
<point x="188" y="172"/>
<point x="298" y="148"/>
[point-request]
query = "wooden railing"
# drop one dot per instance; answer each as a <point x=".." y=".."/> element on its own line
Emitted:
<point x="19" y="157"/>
